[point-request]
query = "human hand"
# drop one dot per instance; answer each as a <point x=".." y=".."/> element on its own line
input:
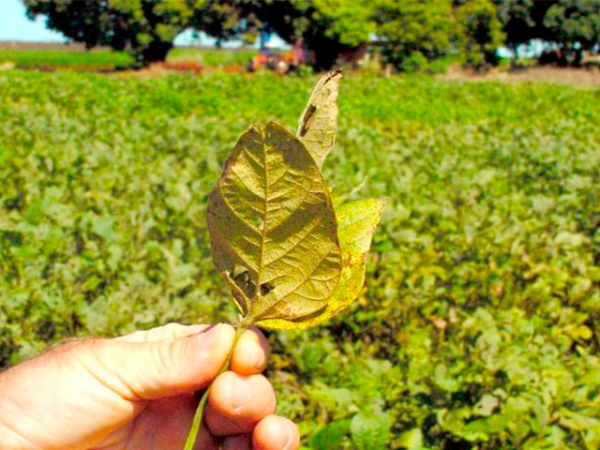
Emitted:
<point x="137" y="392"/>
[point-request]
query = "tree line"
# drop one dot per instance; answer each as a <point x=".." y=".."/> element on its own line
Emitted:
<point x="409" y="34"/>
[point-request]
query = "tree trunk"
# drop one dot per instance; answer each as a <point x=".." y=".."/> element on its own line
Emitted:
<point x="156" y="51"/>
<point x="325" y="57"/>
<point x="578" y="57"/>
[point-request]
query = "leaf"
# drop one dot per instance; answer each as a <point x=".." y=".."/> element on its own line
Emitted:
<point x="486" y="405"/>
<point x="357" y="222"/>
<point x="568" y="239"/>
<point x="412" y="438"/>
<point x="331" y="435"/>
<point x="444" y="380"/>
<point x="318" y="123"/>
<point x="273" y="228"/>
<point x="576" y="421"/>
<point x="370" y="432"/>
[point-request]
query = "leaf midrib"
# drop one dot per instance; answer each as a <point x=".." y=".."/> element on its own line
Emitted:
<point x="263" y="234"/>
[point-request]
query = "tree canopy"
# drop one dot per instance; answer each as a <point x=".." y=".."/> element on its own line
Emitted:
<point x="412" y="31"/>
<point x="146" y="28"/>
<point x="574" y="25"/>
<point x="405" y="32"/>
<point x="479" y="33"/>
<point x="522" y="20"/>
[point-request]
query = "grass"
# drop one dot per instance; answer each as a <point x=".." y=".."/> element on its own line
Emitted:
<point x="478" y="324"/>
<point x="107" y="59"/>
<point x="212" y="57"/>
<point x="96" y="59"/>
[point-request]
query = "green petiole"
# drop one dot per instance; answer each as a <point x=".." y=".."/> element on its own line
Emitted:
<point x="195" y="429"/>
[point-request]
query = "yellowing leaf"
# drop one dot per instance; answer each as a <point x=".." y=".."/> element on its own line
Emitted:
<point x="318" y="123"/>
<point x="273" y="228"/>
<point x="357" y="222"/>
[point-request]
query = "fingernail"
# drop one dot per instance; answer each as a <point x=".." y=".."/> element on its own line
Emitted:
<point x="211" y="338"/>
<point x="259" y="357"/>
<point x="240" y="393"/>
<point x="291" y="435"/>
<point x="253" y="352"/>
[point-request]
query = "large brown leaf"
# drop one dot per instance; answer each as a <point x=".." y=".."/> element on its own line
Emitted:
<point x="273" y="228"/>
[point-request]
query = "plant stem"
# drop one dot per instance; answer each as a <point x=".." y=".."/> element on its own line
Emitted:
<point x="195" y="429"/>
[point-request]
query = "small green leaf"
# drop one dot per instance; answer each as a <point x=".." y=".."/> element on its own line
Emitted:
<point x="411" y="439"/>
<point x="331" y="435"/>
<point x="370" y="432"/>
<point x="318" y="123"/>
<point x="273" y="228"/>
<point x="486" y="405"/>
<point x="576" y="421"/>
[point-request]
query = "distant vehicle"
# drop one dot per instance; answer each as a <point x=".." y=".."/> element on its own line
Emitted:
<point x="280" y="62"/>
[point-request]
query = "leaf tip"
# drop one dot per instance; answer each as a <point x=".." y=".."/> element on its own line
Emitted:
<point x="333" y="75"/>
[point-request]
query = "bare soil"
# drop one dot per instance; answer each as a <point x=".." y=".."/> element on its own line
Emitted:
<point x="581" y="78"/>
<point x="65" y="47"/>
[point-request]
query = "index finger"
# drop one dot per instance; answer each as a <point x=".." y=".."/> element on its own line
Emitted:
<point x="251" y="353"/>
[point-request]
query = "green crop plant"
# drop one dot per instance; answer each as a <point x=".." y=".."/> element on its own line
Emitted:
<point x="290" y="258"/>
<point x="478" y="323"/>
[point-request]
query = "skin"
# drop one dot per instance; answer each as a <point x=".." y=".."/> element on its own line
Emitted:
<point x="137" y="392"/>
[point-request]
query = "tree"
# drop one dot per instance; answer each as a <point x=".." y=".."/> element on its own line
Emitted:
<point x="479" y="33"/>
<point x="412" y="31"/>
<point x="575" y="26"/>
<point x="522" y="20"/>
<point x="406" y="30"/>
<point x="326" y="27"/>
<point x="145" y="28"/>
<point x="227" y="19"/>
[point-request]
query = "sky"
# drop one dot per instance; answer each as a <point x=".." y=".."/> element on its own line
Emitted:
<point x="15" y="26"/>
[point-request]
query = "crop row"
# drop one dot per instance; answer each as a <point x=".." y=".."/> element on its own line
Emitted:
<point x="477" y="327"/>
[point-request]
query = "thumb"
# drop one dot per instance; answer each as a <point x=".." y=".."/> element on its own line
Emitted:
<point x="149" y="370"/>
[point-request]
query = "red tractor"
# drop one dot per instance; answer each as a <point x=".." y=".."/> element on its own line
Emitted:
<point x="282" y="63"/>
